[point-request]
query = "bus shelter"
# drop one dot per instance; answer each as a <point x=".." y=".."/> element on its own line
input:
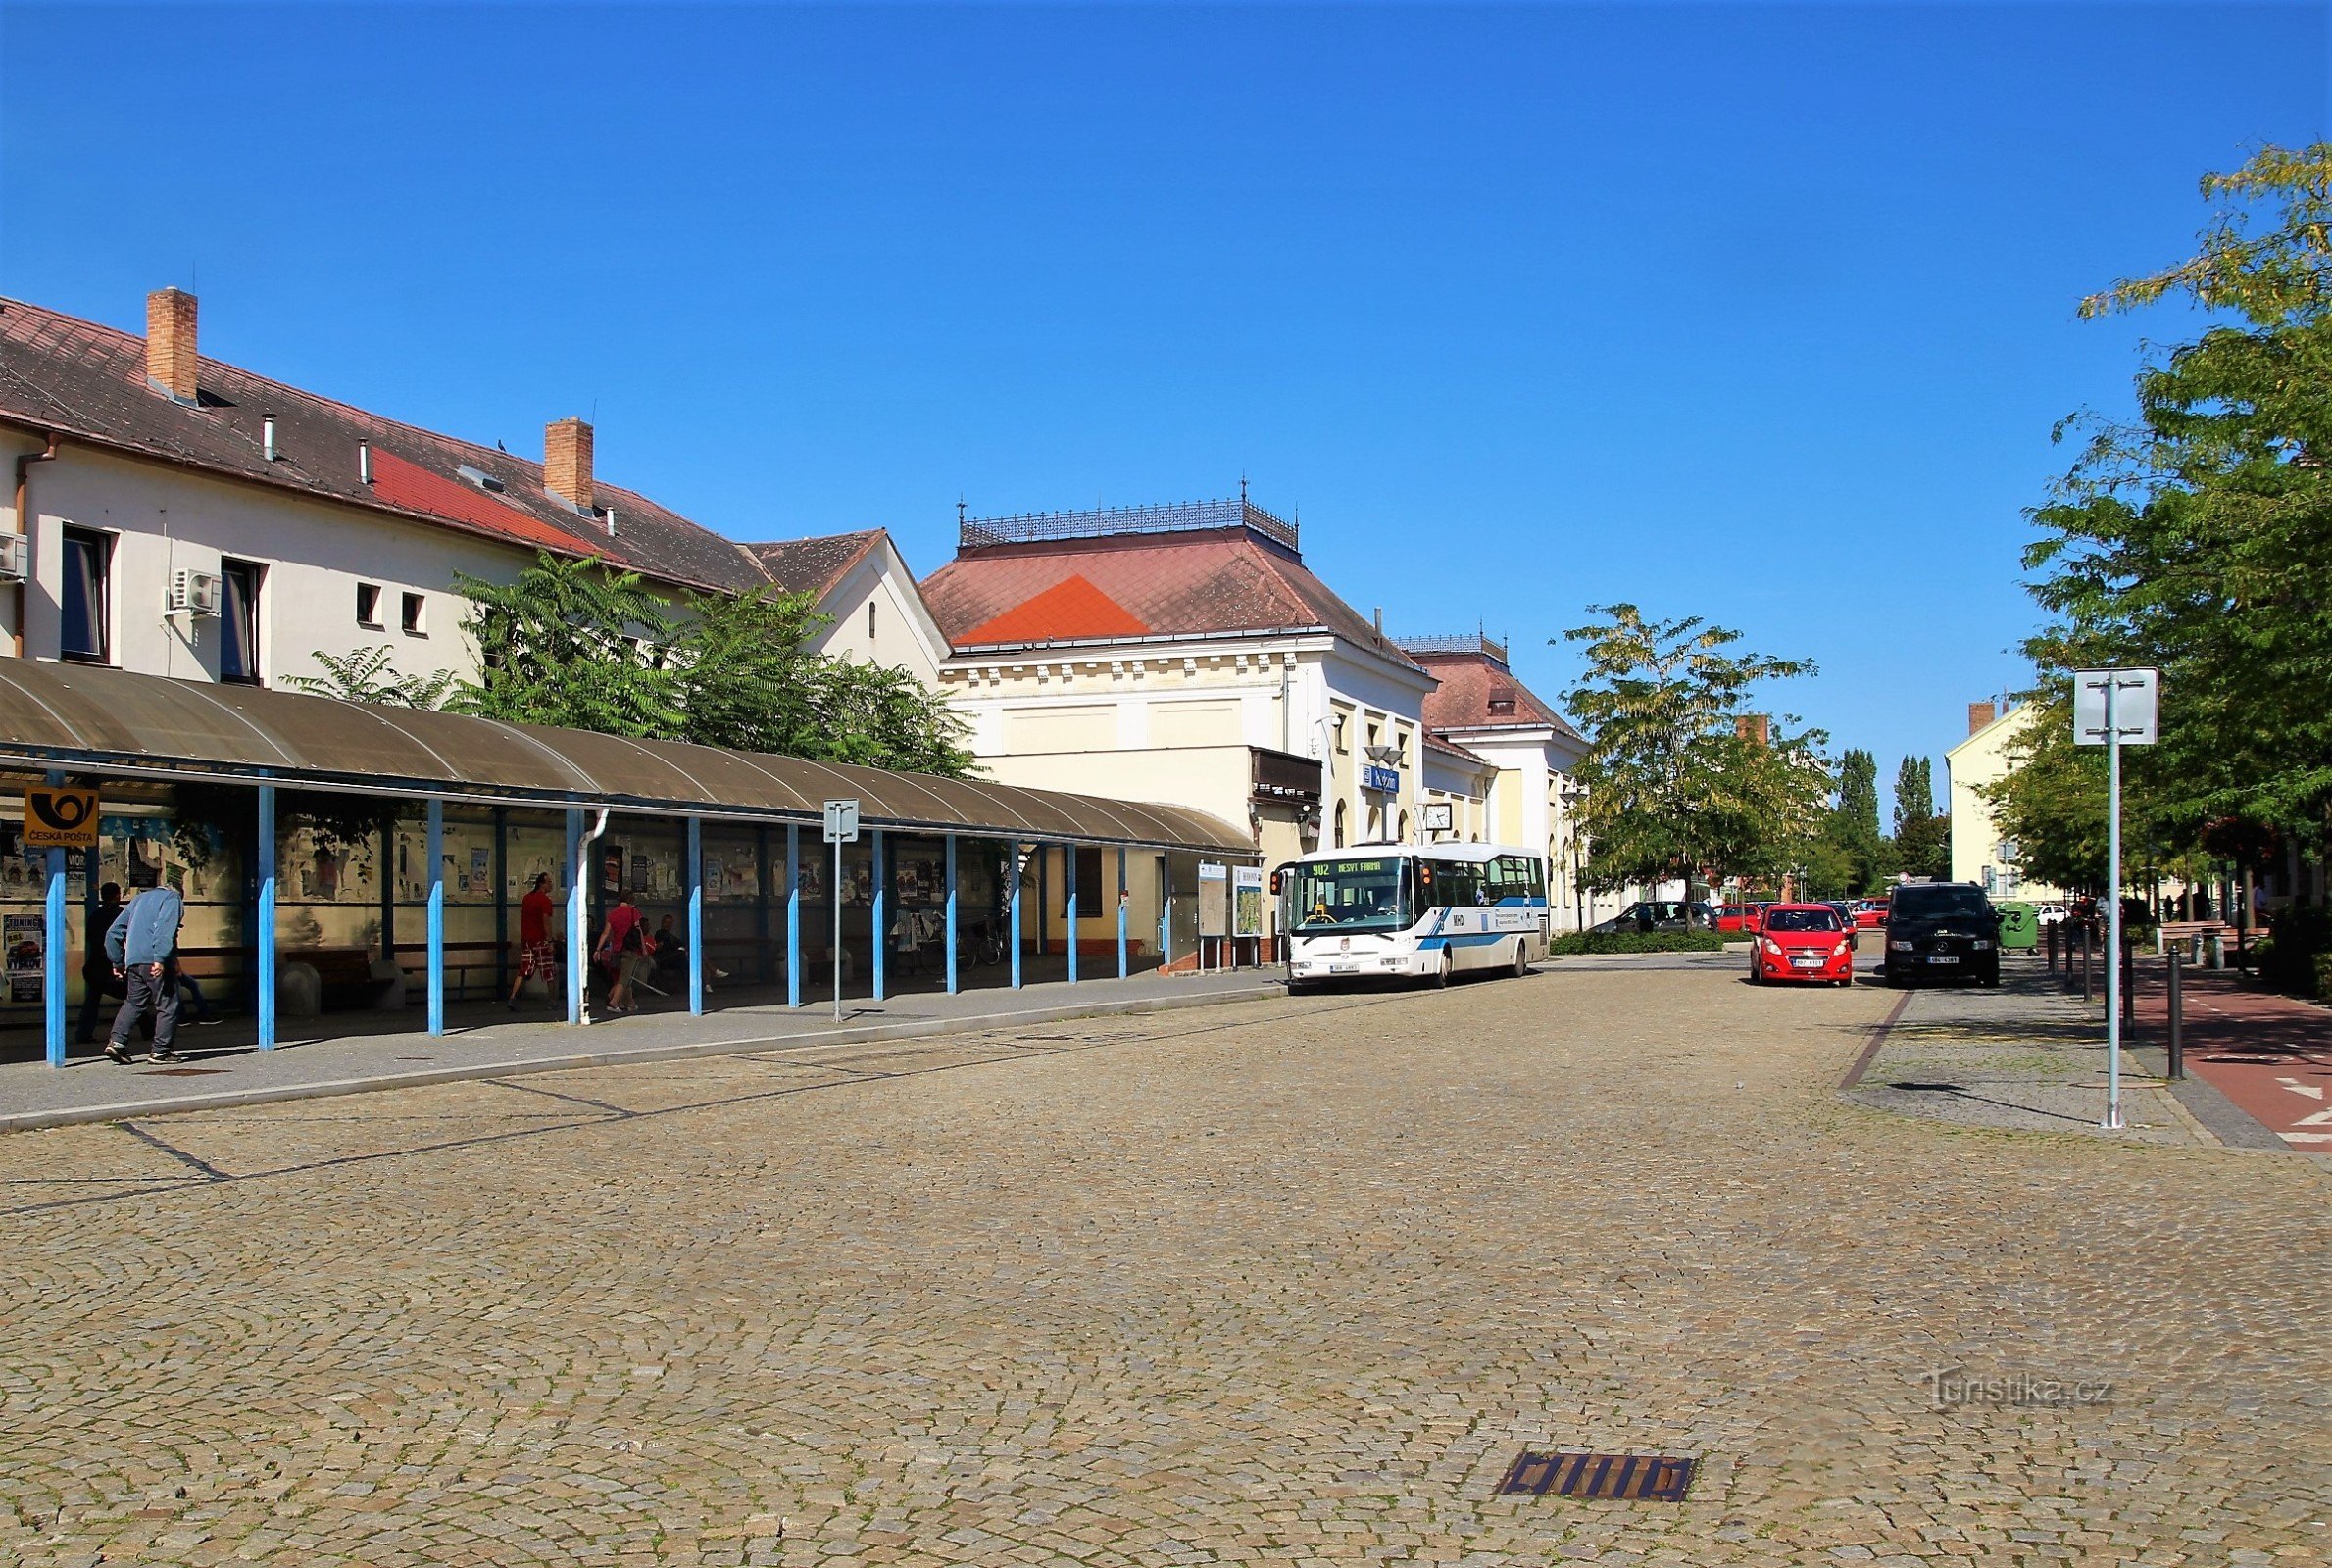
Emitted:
<point x="353" y="811"/>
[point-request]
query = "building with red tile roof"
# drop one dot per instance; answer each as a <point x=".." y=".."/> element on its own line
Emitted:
<point x="862" y="584"/>
<point x="1187" y="652"/>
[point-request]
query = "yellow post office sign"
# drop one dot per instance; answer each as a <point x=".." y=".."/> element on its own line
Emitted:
<point x="59" y="818"/>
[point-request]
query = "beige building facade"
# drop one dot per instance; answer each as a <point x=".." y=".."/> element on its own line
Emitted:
<point x="1979" y="854"/>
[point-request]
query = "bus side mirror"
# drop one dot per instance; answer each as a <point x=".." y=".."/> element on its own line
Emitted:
<point x="1424" y="873"/>
<point x="1278" y="882"/>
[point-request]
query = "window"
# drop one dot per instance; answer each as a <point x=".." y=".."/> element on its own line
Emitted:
<point x="414" y="625"/>
<point x="869" y="621"/>
<point x="238" y="619"/>
<point x="1339" y="844"/>
<point x="87" y="597"/>
<point x="368" y="605"/>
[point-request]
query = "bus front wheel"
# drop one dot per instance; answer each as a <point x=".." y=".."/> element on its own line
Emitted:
<point x="1521" y="958"/>
<point x="1440" y="980"/>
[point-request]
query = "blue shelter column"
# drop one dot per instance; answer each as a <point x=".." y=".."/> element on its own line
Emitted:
<point x="437" y="916"/>
<point x="951" y="914"/>
<point x="578" y="934"/>
<point x="879" y="938"/>
<point x="264" y="936"/>
<point x="694" y="873"/>
<point x="1121" y="912"/>
<point x="52" y="953"/>
<point x="793" y="915"/>
<point x="1069" y="880"/>
<point x="1012" y="859"/>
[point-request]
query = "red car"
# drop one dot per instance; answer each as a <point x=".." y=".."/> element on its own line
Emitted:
<point x="1869" y="913"/>
<point x="1739" y="916"/>
<point x="1802" y="942"/>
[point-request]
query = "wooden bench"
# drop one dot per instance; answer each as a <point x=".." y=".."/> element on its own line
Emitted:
<point x="462" y="960"/>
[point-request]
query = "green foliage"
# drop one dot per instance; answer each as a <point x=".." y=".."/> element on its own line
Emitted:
<point x="362" y="675"/>
<point x="572" y="643"/>
<point x="2199" y="539"/>
<point x="1637" y="941"/>
<point x="1922" y="835"/>
<point x="1851" y="856"/>
<point x="1673" y="788"/>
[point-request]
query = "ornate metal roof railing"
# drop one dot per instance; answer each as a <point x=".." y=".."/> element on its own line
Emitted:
<point x="1181" y="516"/>
<point x="1468" y="642"/>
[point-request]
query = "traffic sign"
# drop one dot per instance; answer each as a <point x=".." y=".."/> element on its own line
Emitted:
<point x="842" y="821"/>
<point x="59" y="818"/>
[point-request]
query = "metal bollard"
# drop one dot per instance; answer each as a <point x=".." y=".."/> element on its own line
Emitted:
<point x="2178" y="1014"/>
<point x="2129" y="983"/>
<point x="2049" y="937"/>
<point x="2086" y="994"/>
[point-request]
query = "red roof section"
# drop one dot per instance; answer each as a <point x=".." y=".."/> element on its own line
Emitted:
<point x="415" y="489"/>
<point x="1470" y="684"/>
<point x="1071" y="610"/>
<point x="1165" y="584"/>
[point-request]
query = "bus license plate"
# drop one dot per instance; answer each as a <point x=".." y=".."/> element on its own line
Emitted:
<point x="1344" y="968"/>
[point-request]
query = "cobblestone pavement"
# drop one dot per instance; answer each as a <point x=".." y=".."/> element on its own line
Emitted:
<point x="1286" y="1281"/>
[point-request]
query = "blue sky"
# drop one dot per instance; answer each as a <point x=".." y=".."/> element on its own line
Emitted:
<point x="1762" y="313"/>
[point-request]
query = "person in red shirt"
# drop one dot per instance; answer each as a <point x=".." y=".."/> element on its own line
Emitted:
<point x="536" y="955"/>
<point x="623" y="952"/>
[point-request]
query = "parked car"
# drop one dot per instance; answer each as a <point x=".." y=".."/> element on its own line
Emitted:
<point x="1802" y="942"/>
<point x="2052" y="913"/>
<point x="1846" y="918"/>
<point x="1942" y="930"/>
<point x="1657" y="915"/>
<point x="1870" y="913"/>
<point x="1733" y="917"/>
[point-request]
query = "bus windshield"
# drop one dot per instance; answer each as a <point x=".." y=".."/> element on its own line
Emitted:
<point x="1357" y="894"/>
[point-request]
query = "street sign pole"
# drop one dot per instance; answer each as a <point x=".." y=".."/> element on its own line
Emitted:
<point x="842" y="827"/>
<point x="2112" y="905"/>
<point x="2111" y="707"/>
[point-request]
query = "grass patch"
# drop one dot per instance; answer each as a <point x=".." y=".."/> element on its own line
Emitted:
<point x="1639" y="941"/>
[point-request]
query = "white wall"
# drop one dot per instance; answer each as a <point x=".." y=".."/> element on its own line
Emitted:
<point x="904" y="636"/>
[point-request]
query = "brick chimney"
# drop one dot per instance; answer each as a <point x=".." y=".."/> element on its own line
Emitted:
<point x="567" y="462"/>
<point x="1757" y="727"/>
<point x="169" y="343"/>
<point x="1980" y="714"/>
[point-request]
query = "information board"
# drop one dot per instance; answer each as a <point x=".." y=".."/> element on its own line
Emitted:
<point x="1247" y="900"/>
<point x="1214" y="900"/>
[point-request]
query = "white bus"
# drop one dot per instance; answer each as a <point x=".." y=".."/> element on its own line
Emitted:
<point x="1421" y="911"/>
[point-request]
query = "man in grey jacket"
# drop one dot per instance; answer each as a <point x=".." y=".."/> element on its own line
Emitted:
<point x="140" y="942"/>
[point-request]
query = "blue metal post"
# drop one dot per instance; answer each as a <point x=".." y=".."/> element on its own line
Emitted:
<point x="1068" y="864"/>
<point x="793" y="915"/>
<point x="1121" y="912"/>
<point x="696" y="916"/>
<point x="951" y="914"/>
<point x="880" y="937"/>
<point x="265" y="934"/>
<point x="437" y="916"/>
<point x="52" y="978"/>
<point x="1012" y="854"/>
<point x="579" y="933"/>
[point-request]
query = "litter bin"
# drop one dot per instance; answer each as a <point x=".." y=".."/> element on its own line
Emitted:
<point x="2019" y="926"/>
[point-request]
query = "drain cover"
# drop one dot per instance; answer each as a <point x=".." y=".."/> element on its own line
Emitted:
<point x="183" y="1072"/>
<point x="1633" y="1477"/>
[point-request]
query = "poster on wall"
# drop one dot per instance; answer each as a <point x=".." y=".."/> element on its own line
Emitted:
<point x="23" y="934"/>
<point x="1247" y="900"/>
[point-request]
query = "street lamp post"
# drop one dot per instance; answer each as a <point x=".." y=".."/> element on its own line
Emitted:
<point x="1572" y="799"/>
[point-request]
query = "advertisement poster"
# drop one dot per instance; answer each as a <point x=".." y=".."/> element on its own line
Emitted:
<point x="23" y="934"/>
<point x="1214" y="887"/>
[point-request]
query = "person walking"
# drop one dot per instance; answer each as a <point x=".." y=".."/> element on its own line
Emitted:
<point x="140" y="943"/>
<point x="623" y="951"/>
<point x="536" y="955"/>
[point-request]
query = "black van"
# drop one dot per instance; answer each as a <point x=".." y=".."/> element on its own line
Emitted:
<point x="1942" y="930"/>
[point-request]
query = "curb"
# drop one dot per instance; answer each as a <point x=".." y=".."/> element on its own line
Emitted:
<point x="232" y="1099"/>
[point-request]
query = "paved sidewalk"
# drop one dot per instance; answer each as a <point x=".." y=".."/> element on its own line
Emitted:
<point x="486" y="1041"/>
<point x="2027" y="1057"/>
<point x="2270" y="1056"/>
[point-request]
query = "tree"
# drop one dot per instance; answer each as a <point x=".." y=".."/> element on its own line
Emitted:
<point x="362" y="675"/>
<point x="1922" y="835"/>
<point x="1854" y="859"/>
<point x="572" y="643"/>
<point x="1675" y="786"/>
<point x="2199" y="538"/>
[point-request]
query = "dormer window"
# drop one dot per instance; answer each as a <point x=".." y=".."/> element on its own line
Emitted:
<point x="1502" y="703"/>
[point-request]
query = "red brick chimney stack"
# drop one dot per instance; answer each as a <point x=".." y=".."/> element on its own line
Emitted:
<point x="170" y="342"/>
<point x="567" y="462"/>
<point x="1980" y="714"/>
<point x="1757" y="727"/>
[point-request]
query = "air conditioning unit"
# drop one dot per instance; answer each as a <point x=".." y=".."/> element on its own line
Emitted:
<point x="16" y="560"/>
<point x="194" y="593"/>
